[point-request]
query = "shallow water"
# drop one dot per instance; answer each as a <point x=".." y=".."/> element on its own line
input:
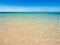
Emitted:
<point x="30" y="28"/>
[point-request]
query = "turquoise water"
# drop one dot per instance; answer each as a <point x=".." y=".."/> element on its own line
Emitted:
<point x="31" y="15"/>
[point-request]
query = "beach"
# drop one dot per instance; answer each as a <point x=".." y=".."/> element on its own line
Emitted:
<point x="29" y="29"/>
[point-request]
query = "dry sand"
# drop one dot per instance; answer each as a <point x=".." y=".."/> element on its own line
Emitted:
<point x="13" y="32"/>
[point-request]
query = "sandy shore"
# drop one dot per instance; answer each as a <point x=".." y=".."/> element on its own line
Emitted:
<point x="13" y="32"/>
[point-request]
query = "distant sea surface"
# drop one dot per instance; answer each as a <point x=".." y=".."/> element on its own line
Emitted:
<point x="29" y="14"/>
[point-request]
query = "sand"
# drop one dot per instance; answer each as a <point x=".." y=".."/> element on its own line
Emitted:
<point x="25" y="32"/>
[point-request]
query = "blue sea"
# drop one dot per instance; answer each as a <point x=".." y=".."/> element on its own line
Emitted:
<point x="40" y="28"/>
<point x="31" y="15"/>
<point x="5" y="14"/>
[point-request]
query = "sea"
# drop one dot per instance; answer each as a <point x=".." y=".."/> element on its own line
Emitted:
<point x="29" y="14"/>
<point x="26" y="28"/>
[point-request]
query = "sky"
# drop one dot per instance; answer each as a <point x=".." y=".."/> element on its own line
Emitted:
<point x="30" y="5"/>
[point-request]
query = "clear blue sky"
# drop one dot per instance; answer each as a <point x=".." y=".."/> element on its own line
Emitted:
<point x="30" y="3"/>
